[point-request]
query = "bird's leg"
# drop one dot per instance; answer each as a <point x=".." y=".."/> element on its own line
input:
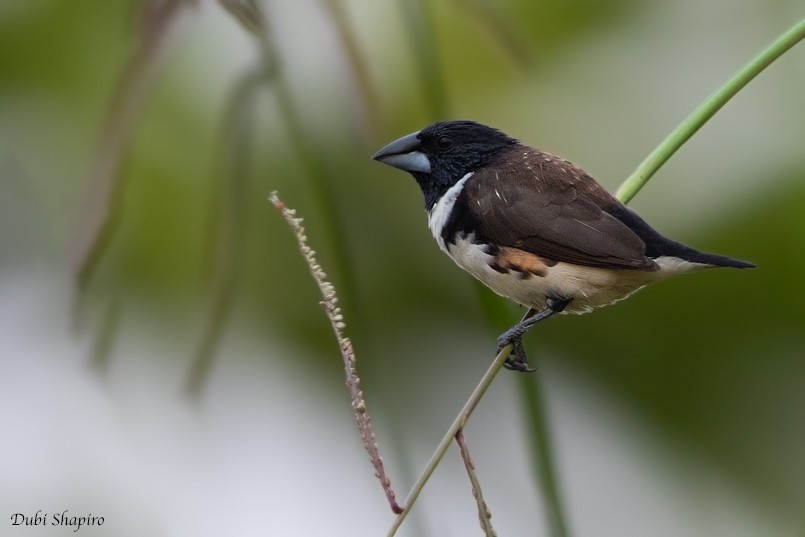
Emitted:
<point x="517" y="360"/>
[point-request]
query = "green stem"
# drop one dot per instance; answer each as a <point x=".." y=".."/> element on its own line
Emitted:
<point x="705" y="111"/>
<point x="457" y="425"/>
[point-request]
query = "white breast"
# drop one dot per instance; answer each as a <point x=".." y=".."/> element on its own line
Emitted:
<point x="439" y="213"/>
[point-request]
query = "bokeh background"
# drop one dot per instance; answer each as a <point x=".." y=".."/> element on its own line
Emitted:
<point x="164" y="362"/>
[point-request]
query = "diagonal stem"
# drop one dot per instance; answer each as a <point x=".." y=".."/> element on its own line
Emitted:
<point x="448" y="437"/>
<point x="706" y="110"/>
<point x="353" y="381"/>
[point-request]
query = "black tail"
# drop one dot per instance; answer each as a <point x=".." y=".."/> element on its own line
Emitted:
<point x="658" y="246"/>
<point x="689" y="254"/>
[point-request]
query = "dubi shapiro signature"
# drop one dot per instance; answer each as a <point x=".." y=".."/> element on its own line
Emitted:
<point x="56" y="519"/>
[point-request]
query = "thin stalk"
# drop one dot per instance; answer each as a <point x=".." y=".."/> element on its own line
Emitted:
<point x="484" y="515"/>
<point x="336" y="317"/>
<point x="448" y="437"/>
<point x="705" y="111"/>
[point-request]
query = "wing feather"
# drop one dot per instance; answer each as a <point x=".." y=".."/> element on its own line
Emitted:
<point x="555" y="211"/>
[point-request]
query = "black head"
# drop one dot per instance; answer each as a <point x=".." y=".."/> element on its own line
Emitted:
<point x="441" y="154"/>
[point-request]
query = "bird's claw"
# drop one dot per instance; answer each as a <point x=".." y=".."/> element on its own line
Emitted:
<point x="517" y="359"/>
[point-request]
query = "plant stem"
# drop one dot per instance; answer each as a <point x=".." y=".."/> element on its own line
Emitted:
<point x="457" y="425"/>
<point x="705" y="111"/>
<point x="336" y="317"/>
<point x="484" y="516"/>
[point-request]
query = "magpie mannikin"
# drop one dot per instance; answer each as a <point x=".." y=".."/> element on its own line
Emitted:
<point x="533" y="227"/>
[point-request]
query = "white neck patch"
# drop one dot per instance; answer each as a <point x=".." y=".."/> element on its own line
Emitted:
<point x="438" y="215"/>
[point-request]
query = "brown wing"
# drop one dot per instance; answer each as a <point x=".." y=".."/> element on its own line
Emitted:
<point x="554" y="210"/>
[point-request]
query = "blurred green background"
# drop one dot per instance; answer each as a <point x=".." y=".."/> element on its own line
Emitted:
<point x="189" y="348"/>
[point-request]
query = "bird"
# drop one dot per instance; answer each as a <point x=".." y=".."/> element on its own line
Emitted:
<point x="533" y="227"/>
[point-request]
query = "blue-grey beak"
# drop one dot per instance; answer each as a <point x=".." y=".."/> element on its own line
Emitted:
<point x="404" y="154"/>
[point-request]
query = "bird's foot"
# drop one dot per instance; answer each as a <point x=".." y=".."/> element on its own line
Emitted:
<point x="517" y="360"/>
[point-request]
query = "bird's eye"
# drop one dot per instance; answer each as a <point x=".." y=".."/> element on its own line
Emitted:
<point x="444" y="142"/>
